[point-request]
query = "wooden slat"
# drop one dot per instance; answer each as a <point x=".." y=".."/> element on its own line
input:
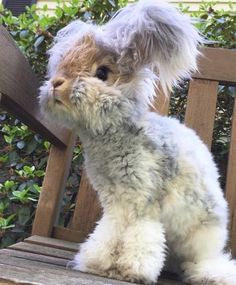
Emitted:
<point x="161" y="103"/>
<point x="201" y="107"/>
<point x="29" y="256"/>
<point x="68" y="234"/>
<point x="52" y="190"/>
<point x="87" y="209"/>
<point x="17" y="255"/>
<point x="217" y="64"/>
<point x="53" y="242"/>
<point x="19" y="88"/>
<point x="43" y="250"/>
<point x="31" y="274"/>
<point x="231" y="184"/>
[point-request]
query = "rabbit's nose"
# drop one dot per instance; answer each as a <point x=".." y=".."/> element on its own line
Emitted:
<point x="58" y="82"/>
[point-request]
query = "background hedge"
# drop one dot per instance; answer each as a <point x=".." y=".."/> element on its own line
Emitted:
<point x="23" y="154"/>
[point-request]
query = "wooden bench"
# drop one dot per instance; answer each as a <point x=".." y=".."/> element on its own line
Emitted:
<point x="42" y="258"/>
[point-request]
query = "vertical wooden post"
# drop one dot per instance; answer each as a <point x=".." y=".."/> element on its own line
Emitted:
<point x="231" y="184"/>
<point x="53" y="187"/>
<point x="201" y="108"/>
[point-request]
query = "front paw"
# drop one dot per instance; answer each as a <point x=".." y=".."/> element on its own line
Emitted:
<point x="138" y="271"/>
<point x="93" y="266"/>
<point x="92" y="259"/>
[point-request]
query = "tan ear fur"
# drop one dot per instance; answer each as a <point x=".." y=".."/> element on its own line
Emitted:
<point x="79" y="58"/>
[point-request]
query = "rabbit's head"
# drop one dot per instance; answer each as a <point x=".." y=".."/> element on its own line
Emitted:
<point x="102" y="75"/>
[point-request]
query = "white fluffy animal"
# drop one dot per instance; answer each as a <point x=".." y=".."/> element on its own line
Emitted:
<point x="156" y="180"/>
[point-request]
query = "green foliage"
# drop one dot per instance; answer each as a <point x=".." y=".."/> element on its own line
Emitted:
<point x="23" y="154"/>
<point x="34" y="31"/>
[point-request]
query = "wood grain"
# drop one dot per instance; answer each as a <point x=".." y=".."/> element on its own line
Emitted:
<point x="217" y="64"/>
<point x="11" y="255"/>
<point x="53" y="187"/>
<point x="68" y="234"/>
<point x="201" y="107"/>
<point x="43" y="250"/>
<point x="87" y="209"/>
<point x="19" y="91"/>
<point x="53" y="242"/>
<point x="231" y="184"/>
<point x="37" y="275"/>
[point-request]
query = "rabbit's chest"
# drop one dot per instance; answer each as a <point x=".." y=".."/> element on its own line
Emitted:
<point x="125" y="163"/>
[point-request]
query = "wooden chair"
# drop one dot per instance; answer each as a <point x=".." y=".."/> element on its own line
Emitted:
<point x="42" y="258"/>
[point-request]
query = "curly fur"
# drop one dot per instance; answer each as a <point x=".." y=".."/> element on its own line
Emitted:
<point x="156" y="180"/>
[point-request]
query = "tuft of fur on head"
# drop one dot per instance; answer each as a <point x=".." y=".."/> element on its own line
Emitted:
<point x="153" y="33"/>
<point x="64" y="40"/>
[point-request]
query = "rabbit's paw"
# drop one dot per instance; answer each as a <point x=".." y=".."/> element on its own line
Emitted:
<point x="138" y="273"/>
<point x="93" y="257"/>
<point x="143" y="252"/>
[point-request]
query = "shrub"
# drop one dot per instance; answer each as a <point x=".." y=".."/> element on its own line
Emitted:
<point x="23" y="154"/>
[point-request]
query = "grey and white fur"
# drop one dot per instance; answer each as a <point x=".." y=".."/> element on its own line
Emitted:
<point x="156" y="180"/>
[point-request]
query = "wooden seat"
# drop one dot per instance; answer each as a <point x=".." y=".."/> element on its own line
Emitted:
<point x="42" y="258"/>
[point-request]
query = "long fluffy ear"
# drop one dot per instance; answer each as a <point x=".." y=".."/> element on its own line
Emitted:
<point x="153" y="33"/>
<point x="64" y="40"/>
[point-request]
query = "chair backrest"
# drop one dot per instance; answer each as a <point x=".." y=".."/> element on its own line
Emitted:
<point x="18" y="94"/>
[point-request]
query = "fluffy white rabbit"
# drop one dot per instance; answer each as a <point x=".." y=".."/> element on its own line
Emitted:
<point x="156" y="180"/>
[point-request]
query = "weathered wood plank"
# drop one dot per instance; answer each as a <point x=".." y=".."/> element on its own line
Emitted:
<point x="231" y="184"/>
<point x="48" y="276"/>
<point x="53" y="187"/>
<point x="5" y="254"/>
<point x="56" y="266"/>
<point x="43" y="250"/>
<point x="15" y="257"/>
<point x="19" y="88"/>
<point x="53" y="242"/>
<point x="201" y="107"/>
<point x="68" y="234"/>
<point x="217" y="64"/>
<point x="87" y="209"/>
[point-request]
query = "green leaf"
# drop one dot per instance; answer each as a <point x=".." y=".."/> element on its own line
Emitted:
<point x="112" y="2"/>
<point x="6" y="241"/>
<point x="24" y="34"/>
<point x="31" y="146"/>
<point x="39" y="41"/>
<point x="28" y="169"/>
<point x="9" y="184"/>
<point x="37" y="188"/>
<point x="24" y="215"/>
<point x="8" y="139"/>
<point x="20" y="144"/>
<point x="39" y="173"/>
<point x="47" y="145"/>
<point x="13" y="157"/>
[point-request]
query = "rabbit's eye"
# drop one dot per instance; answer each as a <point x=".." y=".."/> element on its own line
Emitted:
<point x="102" y="73"/>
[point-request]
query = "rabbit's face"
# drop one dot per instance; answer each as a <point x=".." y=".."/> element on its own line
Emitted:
<point x="85" y="88"/>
